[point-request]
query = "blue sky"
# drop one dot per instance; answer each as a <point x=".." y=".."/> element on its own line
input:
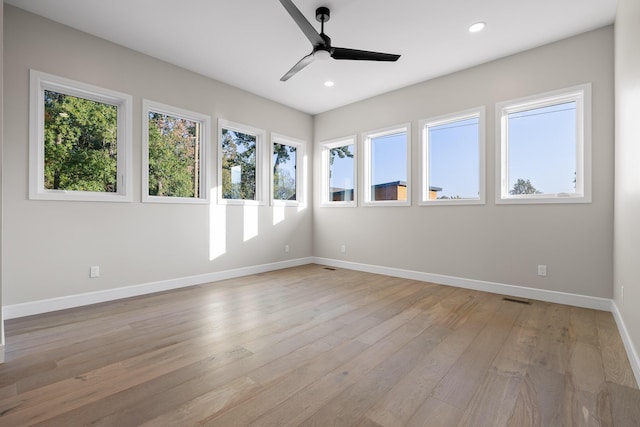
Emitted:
<point x="342" y="171"/>
<point x="389" y="158"/>
<point x="541" y="149"/>
<point x="453" y="158"/>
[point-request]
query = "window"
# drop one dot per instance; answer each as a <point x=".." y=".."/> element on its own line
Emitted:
<point x="286" y="170"/>
<point x="339" y="172"/>
<point x="174" y="154"/>
<point x="545" y="148"/>
<point x="387" y="160"/>
<point x="80" y="141"/>
<point x="453" y="159"/>
<point x="239" y="171"/>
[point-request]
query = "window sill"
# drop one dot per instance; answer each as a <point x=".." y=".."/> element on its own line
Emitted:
<point x="338" y="205"/>
<point x="80" y="196"/>
<point x="175" y="200"/>
<point x="453" y="202"/>
<point x="543" y="199"/>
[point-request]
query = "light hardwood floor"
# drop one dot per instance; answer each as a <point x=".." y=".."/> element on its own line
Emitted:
<point x="314" y="346"/>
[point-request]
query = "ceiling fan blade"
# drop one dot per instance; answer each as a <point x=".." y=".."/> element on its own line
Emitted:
<point x="299" y="66"/>
<point x="302" y="22"/>
<point x="362" y="55"/>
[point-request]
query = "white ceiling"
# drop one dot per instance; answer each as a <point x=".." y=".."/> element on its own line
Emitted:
<point x="250" y="44"/>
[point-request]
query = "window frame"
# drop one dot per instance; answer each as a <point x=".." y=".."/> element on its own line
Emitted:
<point x="38" y="83"/>
<point x="424" y="125"/>
<point x="581" y="94"/>
<point x="300" y="147"/>
<point x="260" y="142"/>
<point x="326" y="147"/>
<point x="366" y="151"/>
<point x="205" y="141"/>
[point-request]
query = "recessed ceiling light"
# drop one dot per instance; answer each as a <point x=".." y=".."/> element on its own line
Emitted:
<point x="328" y="83"/>
<point x="478" y="26"/>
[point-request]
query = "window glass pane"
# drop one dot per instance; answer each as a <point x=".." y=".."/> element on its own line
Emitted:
<point x="542" y="150"/>
<point x="454" y="160"/>
<point x="238" y="165"/>
<point x="389" y="167"/>
<point x="341" y="171"/>
<point x="174" y="150"/>
<point x="284" y="172"/>
<point x="80" y="144"/>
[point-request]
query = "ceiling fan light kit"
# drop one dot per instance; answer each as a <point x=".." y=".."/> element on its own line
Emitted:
<point x="322" y="49"/>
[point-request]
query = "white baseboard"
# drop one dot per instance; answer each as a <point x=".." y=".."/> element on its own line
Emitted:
<point x="632" y="354"/>
<point x="479" y="285"/>
<point x="604" y="304"/>
<point x="61" y="303"/>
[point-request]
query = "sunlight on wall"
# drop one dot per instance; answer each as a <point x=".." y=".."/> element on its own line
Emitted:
<point x="305" y="184"/>
<point x="278" y="214"/>
<point x="250" y="222"/>
<point x="217" y="228"/>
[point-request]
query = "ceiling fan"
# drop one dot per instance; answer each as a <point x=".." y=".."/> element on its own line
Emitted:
<point x="322" y="48"/>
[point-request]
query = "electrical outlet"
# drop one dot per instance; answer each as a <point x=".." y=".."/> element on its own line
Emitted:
<point x="286" y="248"/>
<point x="622" y="293"/>
<point x="542" y="270"/>
<point x="94" y="271"/>
<point x="343" y="248"/>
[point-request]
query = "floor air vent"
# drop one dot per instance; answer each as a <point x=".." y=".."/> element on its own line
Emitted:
<point x="330" y="268"/>
<point x="518" y="300"/>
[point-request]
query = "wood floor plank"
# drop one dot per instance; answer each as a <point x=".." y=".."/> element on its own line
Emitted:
<point x="278" y="392"/>
<point x="199" y="408"/>
<point x="540" y="399"/>
<point x="582" y="391"/>
<point x="311" y="346"/>
<point x="459" y="384"/>
<point x="624" y="404"/>
<point x="254" y="362"/>
<point x="305" y="403"/>
<point x="586" y="358"/>
<point x="350" y="406"/>
<point x="552" y="349"/>
<point x="435" y="413"/>
<point x="582" y="326"/>
<point x="617" y="368"/>
<point x="495" y="399"/>
<point x="401" y="402"/>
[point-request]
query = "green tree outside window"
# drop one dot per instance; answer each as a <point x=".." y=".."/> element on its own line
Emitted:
<point x="80" y="144"/>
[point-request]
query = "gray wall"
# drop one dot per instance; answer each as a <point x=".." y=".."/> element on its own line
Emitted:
<point x="627" y="204"/>
<point x="1" y="180"/>
<point x="503" y="243"/>
<point x="49" y="245"/>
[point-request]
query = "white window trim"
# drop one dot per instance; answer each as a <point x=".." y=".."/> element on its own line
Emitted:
<point x="326" y="188"/>
<point x="260" y="169"/>
<point x="582" y="95"/>
<point x="478" y="112"/>
<point x="39" y="82"/>
<point x="300" y="170"/>
<point x="205" y="141"/>
<point x="366" y="184"/>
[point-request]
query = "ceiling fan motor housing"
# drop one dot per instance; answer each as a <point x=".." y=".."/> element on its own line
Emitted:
<point x="323" y="14"/>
